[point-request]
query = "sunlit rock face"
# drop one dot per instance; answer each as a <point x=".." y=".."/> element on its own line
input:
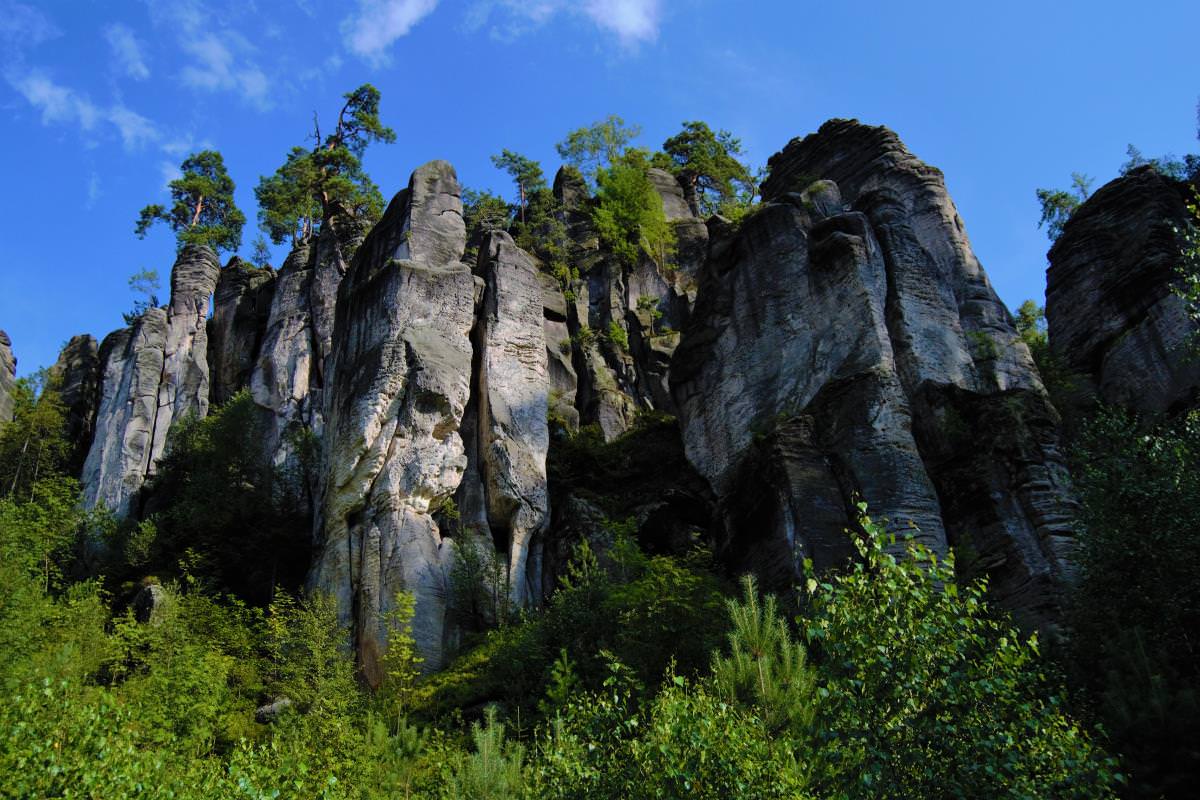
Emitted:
<point x="153" y="374"/>
<point x="8" y="377"/>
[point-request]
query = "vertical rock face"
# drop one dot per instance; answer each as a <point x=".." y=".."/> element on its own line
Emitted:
<point x="512" y="400"/>
<point x="8" y="377"/>
<point x="78" y="372"/>
<point x="289" y="376"/>
<point x="400" y="380"/>
<point x="1109" y="309"/>
<point x="241" y="309"/>
<point x="119" y="459"/>
<point x="846" y="342"/>
<point x="153" y="373"/>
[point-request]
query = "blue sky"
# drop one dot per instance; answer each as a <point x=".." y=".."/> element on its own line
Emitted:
<point x="102" y="100"/>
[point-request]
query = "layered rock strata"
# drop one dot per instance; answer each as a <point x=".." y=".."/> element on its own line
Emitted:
<point x="77" y="372"/>
<point x="400" y="380"/>
<point x="846" y="344"/>
<point x="154" y="373"/>
<point x="1111" y="316"/>
<point x="8" y="377"/>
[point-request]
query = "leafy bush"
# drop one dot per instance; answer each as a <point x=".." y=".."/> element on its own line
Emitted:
<point x="925" y="693"/>
<point x="629" y="213"/>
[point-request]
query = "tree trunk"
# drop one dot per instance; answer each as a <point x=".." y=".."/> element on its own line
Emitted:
<point x="199" y="208"/>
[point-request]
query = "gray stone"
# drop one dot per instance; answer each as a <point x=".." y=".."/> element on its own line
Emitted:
<point x="674" y="205"/>
<point x="8" y="377"/>
<point x="399" y="384"/>
<point x="513" y="396"/>
<point x="153" y="373"/>
<point x="1110" y="313"/>
<point x="271" y="712"/>
<point x="150" y="604"/>
<point x="241" y="310"/>
<point x="77" y="371"/>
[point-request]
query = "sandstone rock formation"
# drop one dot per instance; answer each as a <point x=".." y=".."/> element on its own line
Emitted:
<point x="78" y="373"/>
<point x="400" y="380"/>
<point x="846" y="343"/>
<point x="153" y="373"/>
<point x="241" y="308"/>
<point x="1110" y="313"/>
<point x="8" y="377"/>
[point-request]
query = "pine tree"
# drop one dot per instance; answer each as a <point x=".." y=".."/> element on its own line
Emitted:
<point x="202" y="209"/>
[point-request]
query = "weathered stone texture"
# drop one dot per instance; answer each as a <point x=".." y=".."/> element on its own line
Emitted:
<point x="1110" y="313"/>
<point x="835" y="354"/>
<point x="8" y="377"/>
<point x="241" y="309"/>
<point x="400" y="374"/>
<point x="78" y="373"/>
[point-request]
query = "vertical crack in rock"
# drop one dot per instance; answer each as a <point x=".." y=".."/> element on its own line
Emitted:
<point x="987" y="433"/>
<point x="399" y="383"/>
<point x="154" y="373"/>
<point x="8" y="377"/>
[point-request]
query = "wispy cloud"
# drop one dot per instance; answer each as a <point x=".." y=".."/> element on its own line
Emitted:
<point x="62" y="105"/>
<point x="377" y="24"/>
<point x="93" y="191"/>
<point x="632" y="21"/>
<point x="127" y="51"/>
<point x="25" y="25"/>
<point x="217" y="67"/>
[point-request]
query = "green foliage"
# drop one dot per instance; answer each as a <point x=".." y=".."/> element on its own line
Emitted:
<point x="617" y="336"/>
<point x="708" y="163"/>
<point x="251" y="542"/>
<point x="33" y="443"/>
<point x="600" y="145"/>
<point x="146" y="283"/>
<point x="311" y="185"/>
<point x="526" y="175"/>
<point x="1059" y="205"/>
<point x="202" y="208"/>
<point x="766" y="669"/>
<point x="925" y="693"/>
<point x="629" y="213"/>
<point x="493" y="771"/>
<point x="1187" y="287"/>
<point x="483" y="212"/>
<point x="1179" y="169"/>
<point x="1135" y="607"/>
<point x="261" y="254"/>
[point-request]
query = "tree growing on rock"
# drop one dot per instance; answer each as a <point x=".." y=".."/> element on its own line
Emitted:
<point x="1058" y="205"/>
<point x="313" y="184"/>
<point x="708" y="165"/>
<point x="597" y="146"/>
<point x="202" y="208"/>
<point x="629" y="215"/>
<point x="526" y="174"/>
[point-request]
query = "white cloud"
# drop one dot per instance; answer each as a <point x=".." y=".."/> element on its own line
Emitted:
<point x="63" y="105"/>
<point x="216" y="67"/>
<point x="57" y="103"/>
<point x="169" y="171"/>
<point x="632" y="21"/>
<point x="22" y="25"/>
<point x="127" y="51"/>
<point x="378" y="23"/>
<point x="93" y="191"/>
<point x="135" y="129"/>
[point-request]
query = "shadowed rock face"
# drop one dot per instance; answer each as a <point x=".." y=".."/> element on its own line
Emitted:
<point x="153" y="373"/>
<point x="241" y="310"/>
<point x="846" y="343"/>
<point x="8" y="377"/>
<point x="1110" y="313"/>
<point x="78" y="372"/>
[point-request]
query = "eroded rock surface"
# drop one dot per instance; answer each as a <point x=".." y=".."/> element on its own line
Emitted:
<point x="241" y="310"/>
<point x="1110" y="313"/>
<point x="400" y="379"/>
<point x="78" y="373"/>
<point x="8" y="377"/>
<point x="153" y="373"/>
<point x="845" y="343"/>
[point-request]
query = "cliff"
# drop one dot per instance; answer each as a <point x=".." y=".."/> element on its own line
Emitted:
<point x="840" y="344"/>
